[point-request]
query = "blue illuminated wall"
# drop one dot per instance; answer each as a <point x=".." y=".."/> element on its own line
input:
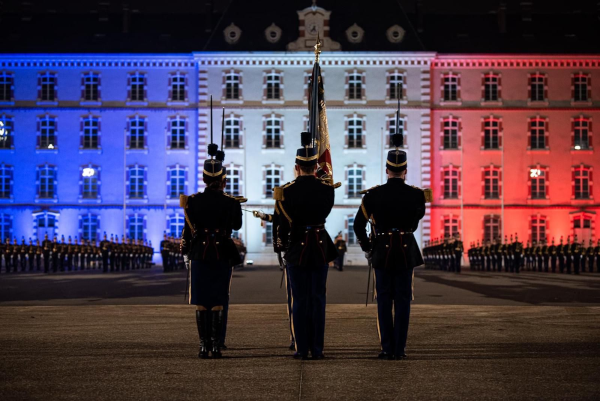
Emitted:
<point x="113" y="111"/>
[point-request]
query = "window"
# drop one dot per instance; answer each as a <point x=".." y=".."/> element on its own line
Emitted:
<point x="7" y="87"/>
<point x="137" y="87"/>
<point x="137" y="132"/>
<point x="90" y="182"/>
<point x="175" y="225"/>
<point x="351" y="235"/>
<point x="491" y="182"/>
<point x="137" y="182"/>
<point x="354" y="131"/>
<point x="268" y="233"/>
<point x="273" y="85"/>
<point x="91" y="133"/>
<point x="582" y="133"/>
<point x="537" y="182"/>
<point x="177" y="87"/>
<point x="178" y="129"/>
<point x="136" y="226"/>
<point x="581" y="88"/>
<point x="355" y="85"/>
<point x="90" y="87"/>
<point x="6" y="129"/>
<point x="355" y="181"/>
<point x="176" y="180"/>
<point x="47" y="133"/>
<point x="582" y="182"/>
<point x="272" y="180"/>
<point x="491" y="227"/>
<point x="538" y="130"/>
<point x="6" y="181"/>
<point x="450" y="87"/>
<point x="273" y="127"/>
<point x="45" y="223"/>
<point x="450" y="129"/>
<point x="46" y="182"/>
<point x="583" y="226"/>
<point x="491" y="88"/>
<point x="5" y="226"/>
<point x="537" y="87"/>
<point x="233" y="126"/>
<point x="232" y="85"/>
<point x="233" y="181"/>
<point x="538" y="228"/>
<point x="391" y="128"/>
<point x="450" y="180"/>
<point x="450" y="226"/>
<point x="395" y="86"/>
<point x="491" y="133"/>
<point x="47" y="87"/>
<point x="89" y="227"/>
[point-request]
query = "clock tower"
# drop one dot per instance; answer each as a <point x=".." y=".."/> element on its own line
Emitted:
<point x="313" y="21"/>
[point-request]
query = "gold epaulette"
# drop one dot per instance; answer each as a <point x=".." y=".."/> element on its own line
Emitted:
<point x="240" y="199"/>
<point x="327" y="181"/>
<point x="427" y="192"/>
<point x="364" y="191"/>
<point x="278" y="191"/>
<point x="183" y="200"/>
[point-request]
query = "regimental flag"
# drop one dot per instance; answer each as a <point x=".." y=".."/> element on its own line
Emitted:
<point x="317" y="122"/>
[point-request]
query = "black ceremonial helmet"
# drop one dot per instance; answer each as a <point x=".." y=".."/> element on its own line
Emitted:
<point x="307" y="154"/>
<point x="213" y="168"/>
<point x="396" y="159"/>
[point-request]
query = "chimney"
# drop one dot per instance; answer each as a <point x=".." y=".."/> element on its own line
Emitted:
<point x="420" y="13"/>
<point x="502" y="17"/>
<point x="125" y="18"/>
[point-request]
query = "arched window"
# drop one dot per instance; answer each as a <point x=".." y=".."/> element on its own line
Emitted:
<point x="90" y="87"/>
<point x="491" y="182"/>
<point x="233" y="186"/>
<point x="582" y="182"/>
<point x="137" y="87"/>
<point x="451" y="182"/>
<point x="491" y="227"/>
<point x="136" y="187"/>
<point x="538" y="228"/>
<point x="451" y="133"/>
<point x="355" y="180"/>
<point x="355" y="126"/>
<point x="137" y="127"/>
<point x="492" y="128"/>
<point x="273" y="127"/>
<point x="582" y="133"/>
<point x="136" y="226"/>
<point x="47" y="87"/>
<point x="233" y="126"/>
<point x="538" y="133"/>
<point x="450" y="226"/>
<point x="177" y="87"/>
<point x="90" y="182"/>
<point x="7" y="86"/>
<point x="6" y="132"/>
<point x="273" y="85"/>
<point x="5" y="226"/>
<point x="231" y="88"/>
<point x="178" y="130"/>
<point x="272" y="179"/>
<point x="46" y="182"/>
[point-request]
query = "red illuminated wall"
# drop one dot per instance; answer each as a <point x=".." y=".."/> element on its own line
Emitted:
<point x="515" y="206"/>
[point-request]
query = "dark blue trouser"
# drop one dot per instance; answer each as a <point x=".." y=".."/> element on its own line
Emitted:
<point x="393" y="289"/>
<point x="288" y="293"/>
<point x="226" y="312"/>
<point x="308" y="307"/>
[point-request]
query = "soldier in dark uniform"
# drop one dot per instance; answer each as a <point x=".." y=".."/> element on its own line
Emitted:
<point x="562" y="253"/>
<point x="31" y="254"/>
<point x="539" y="256"/>
<point x="69" y="254"/>
<point x="552" y="250"/>
<point x="46" y="252"/>
<point x="576" y="252"/>
<point x="210" y="218"/>
<point x="458" y="252"/>
<point x="597" y="254"/>
<point x="23" y="255"/>
<point x="518" y="253"/>
<point x="589" y="253"/>
<point x="569" y="254"/>
<point x="394" y="210"/>
<point x="112" y="254"/>
<point x="546" y="255"/>
<point x="340" y="245"/>
<point x="55" y="254"/>
<point x="105" y="249"/>
<point x="8" y="250"/>
<point x="301" y="208"/>
<point x="38" y="255"/>
<point x="76" y="254"/>
<point x="527" y="255"/>
<point x="504" y="250"/>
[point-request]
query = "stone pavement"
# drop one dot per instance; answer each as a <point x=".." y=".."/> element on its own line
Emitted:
<point x="129" y="352"/>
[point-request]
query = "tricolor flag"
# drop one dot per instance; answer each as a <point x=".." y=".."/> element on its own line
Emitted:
<point x="317" y="121"/>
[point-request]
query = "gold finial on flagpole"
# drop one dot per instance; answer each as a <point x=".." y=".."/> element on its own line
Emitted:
<point x="317" y="48"/>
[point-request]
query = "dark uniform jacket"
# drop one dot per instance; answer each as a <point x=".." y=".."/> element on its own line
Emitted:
<point x="393" y="208"/>
<point x="301" y="208"/>
<point x="213" y="215"/>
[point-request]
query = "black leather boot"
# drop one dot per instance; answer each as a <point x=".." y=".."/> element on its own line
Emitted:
<point x="215" y="337"/>
<point x="202" y="317"/>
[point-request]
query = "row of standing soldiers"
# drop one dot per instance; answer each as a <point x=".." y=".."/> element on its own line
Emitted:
<point x="53" y="255"/>
<point x="172" y="258"/>
<point x="446" y="255"/>
<point x="570" y="257"/>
